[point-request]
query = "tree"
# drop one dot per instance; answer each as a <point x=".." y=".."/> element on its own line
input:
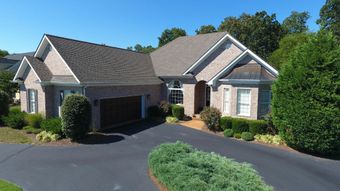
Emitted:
<point x="142" y="49"/>
<point x="260" y="32"/>
<point x="204" y="29"/>
<point x="330" y="17"/>
<point x="6" y="84"/>
<point x="286" y="47"/>
<point x="169" y="35"/>
<point x="306" y="97"/>
<point x="296" y="22"/>
<point x="3" y="53"/>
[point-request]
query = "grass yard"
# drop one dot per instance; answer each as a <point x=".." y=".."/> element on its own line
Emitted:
<point x="180" y="167"/>
<point x="9" y="135"/>
<point x="7" y="186"/>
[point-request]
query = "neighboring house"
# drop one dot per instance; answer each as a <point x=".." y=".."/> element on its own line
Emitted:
<point x="12" y="62"/>
<point x="195" y="71"/>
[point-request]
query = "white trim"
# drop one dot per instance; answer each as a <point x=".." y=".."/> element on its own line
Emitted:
<point x="239" y="58"/>
<point x="242" y="114"/>
<point x="16" y="74"/>
<point x="213" y="48"/>
<point x="245" y="81"/>
<point x="229" y="101"/>
<point x="20" y="68"/>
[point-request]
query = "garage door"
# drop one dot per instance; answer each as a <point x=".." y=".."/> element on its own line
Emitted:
<point x="117" y="111"/>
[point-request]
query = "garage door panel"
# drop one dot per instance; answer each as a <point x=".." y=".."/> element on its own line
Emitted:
<point x="119" y="110"/>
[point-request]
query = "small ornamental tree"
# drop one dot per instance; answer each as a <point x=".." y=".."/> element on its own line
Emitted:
<point x="76" y="116"/>
<point x="306" y="96"/>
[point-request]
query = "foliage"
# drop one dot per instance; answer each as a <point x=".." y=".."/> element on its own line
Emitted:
<point x="6" y="84"/>
<point x="9" y="135"/>
<point x="154" y="111"/>
<point x="34" y="120"/>
<point x="180" y="167"/>
<point x="257" y="126"/>
<point x="286" y="47"/>
<point x="142" y="49"/>
<point x="226" y="122"/>
<point x="237" y="135"/>
<point x="45" y="136"/>
<point x="170" y="119"/>
<point x="270" y="139"/>
<point x="30" y="130"/>
<point x="211" y="117"/>
<point x="306" y="100"/>
<point x="240" y="125"/>
<point x="247" y="136"/>
<point x="15" y="119"/>
<point x="76" y="116"/>
<point x="3" y="53"/>
<point x="4" y="104"/>
<point x="204" y="29"/>
<point x="169" y="35"/>
<point x="271" y="129"/>
<point x="296" y="22"/>
<point x="165" y="108"/>
<point x="52" y="125"/>
<point x="7" y="186"/>
<point x="330" y="17"/>
<point x="260" y="32"/>
<point x="228" y="132"/>
<point x="177" y="111"/>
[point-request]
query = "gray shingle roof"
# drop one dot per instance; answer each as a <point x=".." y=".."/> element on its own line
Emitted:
<point x="40" y="68"/>
<point x="99" y="63"/>
<point x="251" y="71"/>
<point x="176" y="57"/>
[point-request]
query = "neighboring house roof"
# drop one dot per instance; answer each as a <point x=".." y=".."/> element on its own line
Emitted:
<point x="94" y="63"/>
<point x="174" y="58"/>
<point x="12" y="62"/>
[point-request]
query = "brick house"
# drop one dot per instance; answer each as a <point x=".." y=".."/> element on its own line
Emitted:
<point x="194" y="71"/>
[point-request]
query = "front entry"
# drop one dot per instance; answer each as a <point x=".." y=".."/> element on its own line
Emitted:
<point x="202" y="96"/>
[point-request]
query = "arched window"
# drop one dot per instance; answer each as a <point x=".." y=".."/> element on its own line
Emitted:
<point x="175" y="92"/>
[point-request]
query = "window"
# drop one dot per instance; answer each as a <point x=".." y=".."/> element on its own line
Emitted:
<point x="243" y="102"/>
<point x="226" y="101"/>
<point x="265" y="97"/>
<point x="65" y="93"/>
<point x="175" y="92"/>
<point x="32" y="101"/>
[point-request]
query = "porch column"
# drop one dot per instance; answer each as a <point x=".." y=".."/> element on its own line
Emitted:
<point x="189" y="99"/>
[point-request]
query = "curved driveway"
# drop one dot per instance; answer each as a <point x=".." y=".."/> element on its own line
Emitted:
<point x="120" y="162"/>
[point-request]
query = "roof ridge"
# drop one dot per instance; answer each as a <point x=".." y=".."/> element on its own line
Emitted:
<point x="96" y="44"/>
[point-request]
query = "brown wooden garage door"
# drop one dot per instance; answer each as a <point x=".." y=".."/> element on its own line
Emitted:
<point x="116" y="111"/>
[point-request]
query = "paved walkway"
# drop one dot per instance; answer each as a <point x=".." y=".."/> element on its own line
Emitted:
<point x="119" y="162"/>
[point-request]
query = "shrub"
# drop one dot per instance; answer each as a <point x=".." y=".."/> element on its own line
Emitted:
<point x="34" y="120"/>
<point x="240" y="125"/>
<point x="271" y="129"/>
<point x="228" y="133"/>
<point x="257" y="126"/>
<point x="177" y="111"/>
<point x="45" y="136"/>
<point x="226" y="122"/>
<point x="76" y="116"/>
<point x="15" y="119"/>
<point x="270" y="139"/>
<point x="211" y="117"/>
<point x="180" y="167"/>
<point x="170" y="119"/>
<point x="4" y="104"/>
<point x="154" y="111"/>
<point x="306" y="100"/>
<point x="165" y="108"/>
<point x="247" y="136"/>
<point x="237" y="135"/>
<point x="52" y="125"/>
<point x="29" y="130"/>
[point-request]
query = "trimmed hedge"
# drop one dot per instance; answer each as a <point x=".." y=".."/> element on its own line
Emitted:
<point x="211" y="117"/>
<point x="34" y="120"/>
<point x="257" y="127"/>
<point x="228" y="133"/>
<point x="15" y="119"/>
<point x="226" y="122"/>
<point x="182" y="168"/>
<point x="247" y="136"/>
<point x="177" y="111"/>
<point x="240" y="125"/>
<point x="52" y="125"/>
<point x="76" y="116"/>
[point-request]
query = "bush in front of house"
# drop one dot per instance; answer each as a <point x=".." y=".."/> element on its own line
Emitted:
<point x="247" y="136"/>
<point x="211" y="117"/>
<point x="30" y="130"/>
<point x="306" y="100"/>
<point x="270" y="139"/>
<point x="15" y="119"/>
<point x="237" y="135"/>
<point x="171" y="119"/>
<point x="228" y="133"/>
<point x="34" y="120"/>
<point x="177" y="111"/>
<point x="76" y="116"/>
<point x="257" y="126"/>
<point x="45" y="136"/>
<point x="240" y="125"/>
<point x="52" y="125"/>
<point x="4" y="104"/>
<point x="271" y="128"/>
<point x="180" y="167"/>
<point x="226" y="122"/>
<point x="165" y="108"/>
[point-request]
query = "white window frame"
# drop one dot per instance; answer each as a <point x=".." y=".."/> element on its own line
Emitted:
<point x="237" y="103"/>
<point x="267" y="103"/>
<point x="171" y="88"/>
<point x="226" y="110"/>
<point x="30" y="101"/>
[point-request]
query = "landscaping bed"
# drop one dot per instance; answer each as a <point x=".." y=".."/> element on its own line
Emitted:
<point x="7" y="186"/>
<point x="178" y="166"/>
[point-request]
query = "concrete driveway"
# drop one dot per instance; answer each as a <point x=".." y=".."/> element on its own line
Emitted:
<point x="119" y="162"/>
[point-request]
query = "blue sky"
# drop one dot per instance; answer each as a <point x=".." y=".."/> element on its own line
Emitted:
<point x="126" y="22"/>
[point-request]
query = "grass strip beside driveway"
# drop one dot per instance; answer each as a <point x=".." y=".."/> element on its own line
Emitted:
<point x="9" y="135"/>
<point x="7" y="186"/>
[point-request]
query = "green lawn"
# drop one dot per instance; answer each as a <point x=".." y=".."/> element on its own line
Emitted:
<point x="9" y="135"/>
<point x="6" y="186"/>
